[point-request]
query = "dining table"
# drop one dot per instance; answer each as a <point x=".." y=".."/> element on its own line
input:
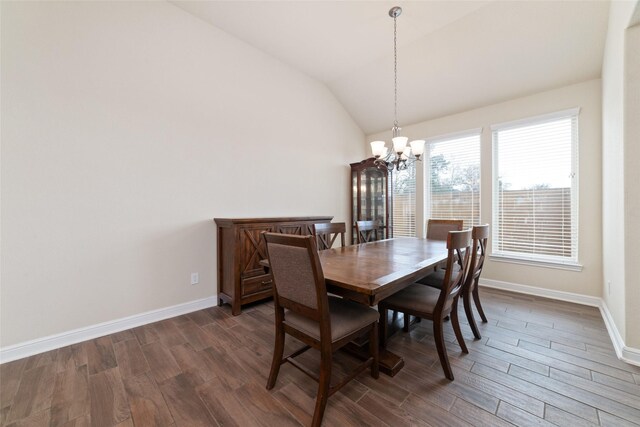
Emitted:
<point x="369" y="272"/>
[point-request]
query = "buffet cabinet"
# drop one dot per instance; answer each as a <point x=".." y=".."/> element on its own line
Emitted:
<point x="241" y="278"/>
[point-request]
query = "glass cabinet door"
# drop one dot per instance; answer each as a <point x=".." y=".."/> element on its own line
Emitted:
<point x="370" y="196"/>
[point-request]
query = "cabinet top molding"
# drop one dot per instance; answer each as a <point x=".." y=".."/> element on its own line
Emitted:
<point x="229" y="221"/>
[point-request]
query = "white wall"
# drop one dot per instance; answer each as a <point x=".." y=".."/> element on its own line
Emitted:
<point x="620" y="158"/>
<point x="613" y="163"/>
<point x="127" y="127"/>
<point x="585" y="95"/>
<point x="631" y="178"/>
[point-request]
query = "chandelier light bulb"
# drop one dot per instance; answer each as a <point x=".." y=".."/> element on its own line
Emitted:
<point x="399" y="143"/>
<point x="417" y="147"/>
<point x="378" y="149"/>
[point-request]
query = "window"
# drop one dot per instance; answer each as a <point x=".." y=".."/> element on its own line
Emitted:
<point x="535" y="210"/>
<point x="404" y="201"/>
<point x="453" y="177"/>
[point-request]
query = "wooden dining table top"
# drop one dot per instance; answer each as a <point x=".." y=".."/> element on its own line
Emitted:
<point x="369" y="272"/>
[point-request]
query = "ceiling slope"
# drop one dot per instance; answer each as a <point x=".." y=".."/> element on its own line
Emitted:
<point x="453" y="55"/>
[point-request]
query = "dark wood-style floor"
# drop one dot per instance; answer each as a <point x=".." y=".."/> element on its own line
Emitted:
<point x="540" y="362"/>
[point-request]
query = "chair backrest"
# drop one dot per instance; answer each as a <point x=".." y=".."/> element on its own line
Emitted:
<point x="459" y="250"/>
<point x="367" y="231"/>
<point x="480" y="236"/>
<point x="438" y="229"/>
<point x="297" y="275"/>
<point x="327" y="232"/>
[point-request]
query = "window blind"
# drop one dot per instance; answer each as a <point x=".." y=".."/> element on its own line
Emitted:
<point x="453" y="178"/>
<point x="404" y="202"/>
<point x="535" y="188"/>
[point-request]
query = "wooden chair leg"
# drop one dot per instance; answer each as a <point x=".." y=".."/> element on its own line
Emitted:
<point x="476" y="299"/>
<point x="374" y="351"/>
<point x="456" y="327"/>
<point x="406" y="322"/>
<point x="442" y="349"/>
<point x="323" y="389"/>
<point x="466" y="301"/>
<point x="278" y="351"/>
<point x="383" y="326"/>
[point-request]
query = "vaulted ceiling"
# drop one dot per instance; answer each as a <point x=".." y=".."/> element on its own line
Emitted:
<point x="452" y="55"/>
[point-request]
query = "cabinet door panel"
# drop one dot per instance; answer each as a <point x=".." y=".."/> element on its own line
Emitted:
<point x="370" y="194"/>
<point x="253" y="249"/>
<point x="373" y="195"/>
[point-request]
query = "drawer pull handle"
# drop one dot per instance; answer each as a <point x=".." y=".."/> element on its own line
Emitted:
<point x="267" y="282"/>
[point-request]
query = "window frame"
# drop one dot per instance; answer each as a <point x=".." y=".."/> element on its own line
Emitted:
<point x="550" y="261"/>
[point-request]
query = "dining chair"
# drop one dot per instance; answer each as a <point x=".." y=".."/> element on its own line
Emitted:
<point x="437" y="229"/>
<point x="327" y="233"/>
<point x="435" y="304"/>
<point x="367" y="231"/>
<point x="480" y="238"/>
<point x="325" y="323"/>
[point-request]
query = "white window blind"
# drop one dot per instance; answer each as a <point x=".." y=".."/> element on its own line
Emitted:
<point x="535" y="215"/>
<point x="404" y="202"/>
<point x="453" y="178"/>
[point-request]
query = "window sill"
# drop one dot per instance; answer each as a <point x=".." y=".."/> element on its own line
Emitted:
<point x="567" y="265"/>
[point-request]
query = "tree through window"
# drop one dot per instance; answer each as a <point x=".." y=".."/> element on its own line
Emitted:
<point x="453" y="188"/>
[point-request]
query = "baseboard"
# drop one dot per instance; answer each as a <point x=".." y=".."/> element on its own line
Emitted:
<point x="40" y="345"/>
<point x="542" y="292"/>
<point x="627" y="354"/>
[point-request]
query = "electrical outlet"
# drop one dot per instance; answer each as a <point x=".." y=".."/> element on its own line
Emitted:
<point x="195" y="278"/>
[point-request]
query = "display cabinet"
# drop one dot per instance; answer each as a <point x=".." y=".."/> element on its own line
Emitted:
<point x="370" y="196"/>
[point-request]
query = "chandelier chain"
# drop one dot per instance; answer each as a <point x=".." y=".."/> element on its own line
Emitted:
<point x="400" y="155"/>
<point x="395" y="73"/>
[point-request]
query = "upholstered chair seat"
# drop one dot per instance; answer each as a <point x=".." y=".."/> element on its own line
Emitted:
<point x="346" y="317"/>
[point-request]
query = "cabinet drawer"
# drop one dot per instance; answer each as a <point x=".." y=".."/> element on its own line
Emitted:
<point x="256" y="284"/>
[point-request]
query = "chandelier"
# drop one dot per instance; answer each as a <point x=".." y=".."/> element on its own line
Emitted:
<point x="402" y="154"/>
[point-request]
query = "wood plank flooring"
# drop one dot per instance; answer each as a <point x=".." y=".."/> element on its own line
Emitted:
<point x="540" y="362"/>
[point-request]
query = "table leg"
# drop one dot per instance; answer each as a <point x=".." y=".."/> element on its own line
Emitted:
<point x="390" y="363"/>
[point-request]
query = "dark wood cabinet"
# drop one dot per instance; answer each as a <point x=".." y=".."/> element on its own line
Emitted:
<point x="370" y="197"/>
<point x="241" y="278"/>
